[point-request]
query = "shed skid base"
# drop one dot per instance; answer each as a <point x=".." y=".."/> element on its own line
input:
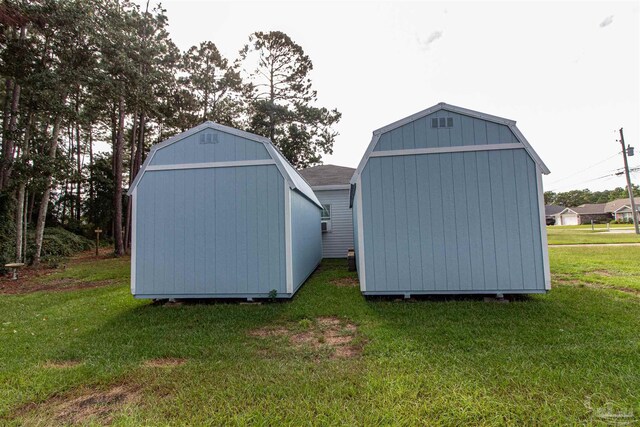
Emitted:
<point x="212" y="296"/>
<point x="457" y="292"/>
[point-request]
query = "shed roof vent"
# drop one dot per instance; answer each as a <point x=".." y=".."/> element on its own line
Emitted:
<point x="442" y="122"/>
<point x="208" y="138"/>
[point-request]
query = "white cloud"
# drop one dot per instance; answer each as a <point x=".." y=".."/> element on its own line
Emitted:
<point x="432" y="38"/>
<point x="607" y="21"/>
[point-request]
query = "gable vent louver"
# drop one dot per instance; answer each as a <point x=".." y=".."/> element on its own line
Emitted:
<point x="208" y="138"/>
<point x="442" y="122"/>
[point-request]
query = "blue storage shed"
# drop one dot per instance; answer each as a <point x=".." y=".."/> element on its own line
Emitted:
<point x="219" y="213"/>
<point x="450" y="201"/>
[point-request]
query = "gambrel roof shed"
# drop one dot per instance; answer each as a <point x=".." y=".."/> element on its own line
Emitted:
<point x="450" y="201"/>
<point x="218" y="212"/>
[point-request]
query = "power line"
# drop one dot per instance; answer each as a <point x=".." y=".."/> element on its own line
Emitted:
<point x="583" y="170"/>
<point x="613" y="173"/>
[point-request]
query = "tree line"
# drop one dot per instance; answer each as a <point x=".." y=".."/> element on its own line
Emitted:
<point x="579" y="197"/>
<point x="80" y="74"/>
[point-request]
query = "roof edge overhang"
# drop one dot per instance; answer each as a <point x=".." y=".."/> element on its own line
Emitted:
<point x="454" y="109"/>
<point x="330" y="187"/>
<point x="565" y="210"/>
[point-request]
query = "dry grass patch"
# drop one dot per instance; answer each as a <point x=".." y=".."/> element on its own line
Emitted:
<point x="581" y="284"/>
<point x="323" y="335"/>
<point x="165" y="362"/>
<point x="21" y="286"/>
<point x="62" y="364"/>
<point x="85" y="406"/>
<point x="346" y="282"/>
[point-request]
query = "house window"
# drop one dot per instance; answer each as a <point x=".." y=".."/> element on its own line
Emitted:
<point x="434" y="123"/>
<point x="325" y="217"/>
<point x="443" y="122"/>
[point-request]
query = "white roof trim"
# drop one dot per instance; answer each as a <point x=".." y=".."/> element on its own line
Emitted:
<point x="625" y="207"/>
<point x="331" y="187"/>
<point x="454" y="109"/>
<point x="567" y="209"/>
<point x="293" y="178"/>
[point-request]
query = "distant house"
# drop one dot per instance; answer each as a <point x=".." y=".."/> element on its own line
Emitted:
<point x="330" y="183"/>
<point x="619" y="209"/>
<point x="583" y="214"/>
<point x="551" y="213"/>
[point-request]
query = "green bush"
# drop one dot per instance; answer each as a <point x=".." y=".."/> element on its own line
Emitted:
<point x="57" y="243"/>
<point x="622" y="221"/>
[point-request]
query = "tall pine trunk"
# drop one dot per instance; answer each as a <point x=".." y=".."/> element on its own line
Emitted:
<point x="21" y="211"/>
<point x="9" y="138"/>
<point x="44" y="200"/>
<point x="78" y="163"/>
<point x="132" y="153"/>
<point x="91" y="190"/>
<point x="117" y="180"/>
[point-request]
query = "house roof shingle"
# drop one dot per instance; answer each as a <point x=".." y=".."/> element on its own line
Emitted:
<point x="552" y="209"/>
<point x="590" y="209"/>
<point x="327" y="175"/>
<point x="618" y="203"/>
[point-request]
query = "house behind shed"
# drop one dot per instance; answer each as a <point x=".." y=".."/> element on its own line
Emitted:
<point x="220" y="213"/>
<point x="330" y="183"/>
<point x="450" y="201"/>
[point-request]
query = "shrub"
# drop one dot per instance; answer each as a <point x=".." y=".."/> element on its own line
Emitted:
<point x="57" y="243"/>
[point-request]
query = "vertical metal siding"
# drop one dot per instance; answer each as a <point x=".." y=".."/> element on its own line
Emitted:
<point x="228" y="148"/>
<point x="211" y="231"/>
<point x="452" y="222"/>
<point x="465" y="131"/>
<point x="306" y="237"/>
<point x="339" y="239"/>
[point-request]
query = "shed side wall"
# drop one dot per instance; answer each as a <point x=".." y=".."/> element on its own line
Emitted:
<point x="455" y="222"/>
<point x="217" y="231"/>
<point x="339" y="239"/>
<point x="306" y="237"/>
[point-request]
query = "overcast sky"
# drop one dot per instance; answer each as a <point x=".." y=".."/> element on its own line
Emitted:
<point x="568" y="73"/>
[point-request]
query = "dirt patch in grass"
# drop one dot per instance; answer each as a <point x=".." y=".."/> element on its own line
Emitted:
<point x="62" y="364"/>
<point x="579" y="284"/>
<point x="345" y="282"/>
<point x="165" y="362"/>
<point x="24" y="286"/>
<point x="605" y="273"/>
<point x="84" y="406"/>
<point x="31" y="279"/>
<point x="323" y="335"/>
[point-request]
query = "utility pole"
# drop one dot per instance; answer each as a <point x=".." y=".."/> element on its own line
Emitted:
<point x="629" y="188"/>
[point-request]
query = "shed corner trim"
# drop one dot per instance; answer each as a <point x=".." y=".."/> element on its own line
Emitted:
<point x="288" y="238"/>
<point x="361" y="266"/>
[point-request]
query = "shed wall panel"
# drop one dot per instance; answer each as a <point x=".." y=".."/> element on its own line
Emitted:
<point x="452" y="222"/>
<point x="306" y="237"/>
<point x="193" y="150"/>
<point x="339" y="239"/>
<point x="465" y="131"/>
<point x="211" y="231"/>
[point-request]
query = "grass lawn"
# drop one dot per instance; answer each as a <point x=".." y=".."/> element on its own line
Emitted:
<point x="582" y="234"/>
<point x="96" y="355"/>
